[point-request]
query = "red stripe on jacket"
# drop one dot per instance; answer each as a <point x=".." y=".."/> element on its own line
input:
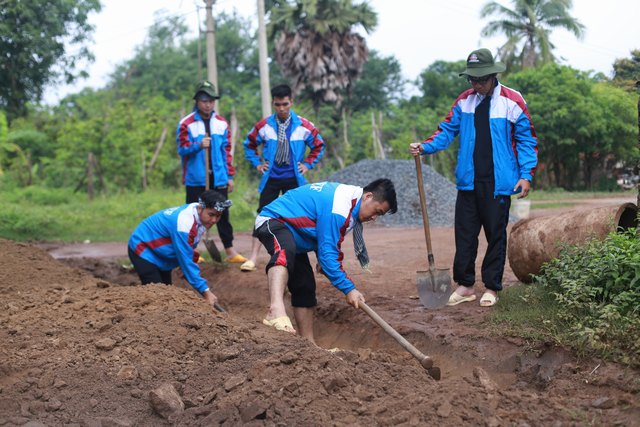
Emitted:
<point x="317" y="142"/>
<point x="517" y="98"/>
<point x="152" y="244"/>
<point x="253" y="135"/>
<point x="300" y="222"/>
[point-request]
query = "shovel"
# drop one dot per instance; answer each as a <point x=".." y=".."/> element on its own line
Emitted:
<point x="208" y="242"/>
<point x="425" y="361"/>
<point x="434" y="286"/>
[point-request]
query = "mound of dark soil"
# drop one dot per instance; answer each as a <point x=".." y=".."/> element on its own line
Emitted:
<point x="82" y="351"/>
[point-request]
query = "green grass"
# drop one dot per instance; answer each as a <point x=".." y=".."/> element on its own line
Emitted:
<point x="526" y="311"/>
<point x="44" y="214"/>
<point x="561" y="195"/>
<point x="555" y="199"/>
<point x="551" y="205"/>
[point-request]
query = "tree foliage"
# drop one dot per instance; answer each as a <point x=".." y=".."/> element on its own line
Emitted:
<point x="440" y="84"/>
<point x="380" y="85"/>
<point x="41" y="43"/>
<point x="627" y="70"/>
<point x="317" y="47"/>
<point x="528" y="26"/>
<point x="126" y="131"/>
<point x="584" y="127"/>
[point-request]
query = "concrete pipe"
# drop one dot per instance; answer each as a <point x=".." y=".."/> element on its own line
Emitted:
<point x="534" y="241"/>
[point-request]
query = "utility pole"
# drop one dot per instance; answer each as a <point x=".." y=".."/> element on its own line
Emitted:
<point x="264" y="67"/>
<point x="212" y="66"/>
<point x="199" y="45"/>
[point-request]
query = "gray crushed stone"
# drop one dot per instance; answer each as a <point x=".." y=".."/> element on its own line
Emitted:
<point x="440" y="192"/>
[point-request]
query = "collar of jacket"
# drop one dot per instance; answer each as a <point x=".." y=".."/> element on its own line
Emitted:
<point x="355" y="212"/>
<point x="199" y="117"/>
<point x="295" y="120"/>
<point x="495" y="93"/>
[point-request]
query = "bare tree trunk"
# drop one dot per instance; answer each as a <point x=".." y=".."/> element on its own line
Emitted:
<point x="374" y="135"/>
<point x="264" y="66"/>
<point x="90" y="163"/>
<point x="29" y="169"/>
<point x="383" y="155"/>
<point x="212" y="64"/>
<point x="345" y="129"/>
<point x="587" y="171"/>
<point x="332" y="147"/>
<point x="144" y="171"/>
<point x="156" y="153"/>
<point x="376" y="132"/>
<point x="234" y="130"/>
<point x="557" y="173"/>
<point x="199" y="46"/>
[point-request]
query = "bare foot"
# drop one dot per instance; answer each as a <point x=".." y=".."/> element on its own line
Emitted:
<point x="464" y="291"/>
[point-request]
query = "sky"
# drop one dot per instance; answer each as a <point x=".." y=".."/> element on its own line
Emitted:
<point x="416" y="32"/>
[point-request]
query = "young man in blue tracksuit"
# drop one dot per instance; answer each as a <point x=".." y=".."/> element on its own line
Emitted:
<point x="168" y="239"/>
<point x="316" y="217"/>
<point x="198" y="131"/>
<point x="286" y="138"/>
<point x="497" y="158"/>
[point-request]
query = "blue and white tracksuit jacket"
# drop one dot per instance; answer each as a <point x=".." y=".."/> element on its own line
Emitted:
<point x="515" y="150"/>
<point x="301" y="134"/>
<point x="319" y="216"/>
<point x="169" y="238"/>
<point x="189" y="135"/>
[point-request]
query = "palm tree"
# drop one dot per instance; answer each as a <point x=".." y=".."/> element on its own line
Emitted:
<point x="527" y="27"/>
<point x="316" y="47"/>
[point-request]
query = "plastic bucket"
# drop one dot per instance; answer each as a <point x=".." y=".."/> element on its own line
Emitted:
<point x="521" y="208"/>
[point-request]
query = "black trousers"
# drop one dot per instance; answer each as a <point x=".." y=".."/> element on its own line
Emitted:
<point x="281" y="245"/>
<point x="478" y="209"/>
<point x="271" y="191"/>
<point x="148" y="272"/>
<point x="225" y="229"/>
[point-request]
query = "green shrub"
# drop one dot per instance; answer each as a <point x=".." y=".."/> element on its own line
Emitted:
<point x="43" y="196"/>
<point x="38" y="213"/>
<point x="35" y="224"/>
<point x="597" y="289"/>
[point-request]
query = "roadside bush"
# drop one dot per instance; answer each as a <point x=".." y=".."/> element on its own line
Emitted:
<point x="18" y="223"/>
<point x="597" y="289"/>
<point x="40" y="196"/>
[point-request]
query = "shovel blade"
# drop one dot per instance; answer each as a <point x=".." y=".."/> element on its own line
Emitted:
<point x="434" y="287"/>
<point x="212" y="249"/>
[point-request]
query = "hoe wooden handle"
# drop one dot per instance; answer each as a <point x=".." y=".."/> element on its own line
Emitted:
<point x="425" y="361"/>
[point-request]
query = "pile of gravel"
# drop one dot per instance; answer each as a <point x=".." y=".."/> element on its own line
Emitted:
<point x="441" y="193"/>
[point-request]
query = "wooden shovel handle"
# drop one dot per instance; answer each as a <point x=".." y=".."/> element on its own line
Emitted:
<point x="423" y="208"/>
<point x="425" y="361"/>
<point x="207" y="160"/>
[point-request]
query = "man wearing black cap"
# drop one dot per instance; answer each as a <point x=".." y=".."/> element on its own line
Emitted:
<point x="203" y="129"/>
<point x="497" y="158"/>
<point x="168" y="239"/>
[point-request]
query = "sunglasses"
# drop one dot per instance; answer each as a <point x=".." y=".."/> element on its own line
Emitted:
<point x="481" y="80"/>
